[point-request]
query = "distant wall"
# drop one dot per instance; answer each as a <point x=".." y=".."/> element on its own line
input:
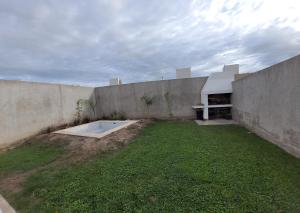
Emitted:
<point x="170" y="98"/>
<point x="27" y="108"/>
<point x="268" y="102"/>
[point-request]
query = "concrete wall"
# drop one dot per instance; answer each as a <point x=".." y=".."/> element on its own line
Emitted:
<point x="171" y="98"/>
<point x="268" y="102"/>
<point x="27" y="108"/>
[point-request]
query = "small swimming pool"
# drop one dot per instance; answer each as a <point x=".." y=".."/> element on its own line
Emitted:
<point x="96" y="129"/>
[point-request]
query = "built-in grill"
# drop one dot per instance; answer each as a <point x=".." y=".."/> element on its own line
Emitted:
<point x="216" y="94"/>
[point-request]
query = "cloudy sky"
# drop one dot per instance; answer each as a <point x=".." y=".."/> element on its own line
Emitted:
<point x="87" y="42"/>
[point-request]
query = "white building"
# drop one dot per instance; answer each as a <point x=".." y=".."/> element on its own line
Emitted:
<point x="183" y="73"/>
<point x="115" y="81"/>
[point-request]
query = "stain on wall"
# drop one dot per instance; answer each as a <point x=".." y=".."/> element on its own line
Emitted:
<point x="169" y="99"/>
<point x="27" y="108"/>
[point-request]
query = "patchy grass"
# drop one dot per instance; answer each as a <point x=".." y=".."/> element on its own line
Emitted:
<point x="28" y="156"/>
<point x="173" y="167"/>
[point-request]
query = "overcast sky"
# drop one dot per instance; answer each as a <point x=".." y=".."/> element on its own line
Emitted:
<point x="87" y="42"/>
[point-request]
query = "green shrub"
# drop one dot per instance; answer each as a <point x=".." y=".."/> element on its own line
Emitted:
<point x="117" y="116"/>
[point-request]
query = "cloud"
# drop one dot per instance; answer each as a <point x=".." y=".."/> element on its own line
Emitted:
<point x="88" y="42"/>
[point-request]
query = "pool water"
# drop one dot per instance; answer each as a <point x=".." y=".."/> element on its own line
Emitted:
<point x="96" y="129"/>
<point x="100" y="127"/>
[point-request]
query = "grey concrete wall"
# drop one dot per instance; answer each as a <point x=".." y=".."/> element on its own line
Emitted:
<point x="171" y="98"/>
<point x="268" y="102"/>
<point x="27" y="108"/>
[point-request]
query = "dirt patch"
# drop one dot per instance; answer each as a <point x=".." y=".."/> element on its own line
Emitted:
<point x="14" y="183"/>
<point x="82" y="148"/>
<point x="78" y="149"/>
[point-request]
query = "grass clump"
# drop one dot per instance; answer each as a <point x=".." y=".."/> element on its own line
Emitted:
<point x="28" y="156"/>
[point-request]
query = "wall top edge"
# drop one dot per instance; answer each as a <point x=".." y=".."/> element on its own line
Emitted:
<point x="146" y="82"/>
<point x="41" y="83"/>
<point x="268" y="69"/>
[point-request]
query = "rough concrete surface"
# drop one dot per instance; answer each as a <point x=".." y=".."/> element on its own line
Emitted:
<point x="169" y="98"/>
<point x="268" y="102"/>
<point x="27" y="108"/>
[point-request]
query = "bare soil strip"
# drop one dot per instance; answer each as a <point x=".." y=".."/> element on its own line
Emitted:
<point x="79" y="149"/>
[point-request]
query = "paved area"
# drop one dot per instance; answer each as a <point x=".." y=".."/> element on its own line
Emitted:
<point x="5" y="207"/>
<point x="215" y="122"/>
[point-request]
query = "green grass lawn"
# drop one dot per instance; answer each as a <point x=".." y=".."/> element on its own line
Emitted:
<point x="28" y="156"/>
<point x="171" y="167"/>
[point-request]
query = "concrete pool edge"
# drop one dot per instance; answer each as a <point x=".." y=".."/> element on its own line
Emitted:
<point x="5" y="207"/>
<point x="96" y="135"/>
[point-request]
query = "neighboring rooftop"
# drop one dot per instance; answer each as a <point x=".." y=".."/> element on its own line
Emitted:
<point x="183" y="73"/>
<point x="115" y="81"/>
